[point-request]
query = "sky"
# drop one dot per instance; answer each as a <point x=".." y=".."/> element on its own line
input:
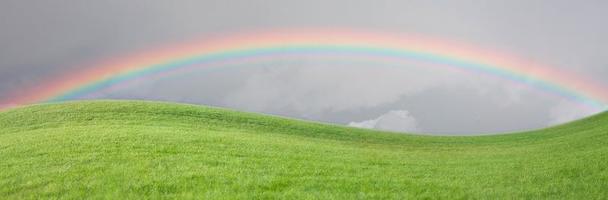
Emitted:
<point x="42" y="39"/>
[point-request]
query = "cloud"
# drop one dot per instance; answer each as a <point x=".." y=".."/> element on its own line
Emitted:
<point x="566" y="111"/>
<point x="312" y="87"/>
<point x="394" y="120"/>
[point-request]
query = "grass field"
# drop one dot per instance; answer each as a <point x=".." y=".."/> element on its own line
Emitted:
<point x="129" y="149"/>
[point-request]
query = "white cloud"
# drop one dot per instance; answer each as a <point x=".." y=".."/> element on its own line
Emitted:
<point x="566" y="111"/>
<point x="395" y="120"/>
<point x="338" y="92"/>
<point x="316" y="87"/>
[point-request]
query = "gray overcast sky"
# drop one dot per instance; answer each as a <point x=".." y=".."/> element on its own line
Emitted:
<point x="41" y="39"/>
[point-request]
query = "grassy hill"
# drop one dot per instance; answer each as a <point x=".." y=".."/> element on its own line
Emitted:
<point x="128" y="149"/>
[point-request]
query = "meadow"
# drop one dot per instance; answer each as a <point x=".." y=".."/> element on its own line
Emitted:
<point x="135" y="149"/>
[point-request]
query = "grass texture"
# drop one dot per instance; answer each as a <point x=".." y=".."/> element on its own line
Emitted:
<point x="134" y="149"/>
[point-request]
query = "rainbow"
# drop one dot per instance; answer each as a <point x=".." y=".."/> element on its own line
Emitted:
<point x="218" y="50"/>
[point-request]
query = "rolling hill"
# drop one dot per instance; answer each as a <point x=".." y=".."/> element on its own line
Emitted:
<point x="130" y="149"/>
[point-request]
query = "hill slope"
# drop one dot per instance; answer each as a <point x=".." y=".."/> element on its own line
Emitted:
<point x="122" y="149"/>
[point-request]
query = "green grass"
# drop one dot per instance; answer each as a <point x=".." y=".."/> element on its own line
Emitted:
<point x="129" y="149"/>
